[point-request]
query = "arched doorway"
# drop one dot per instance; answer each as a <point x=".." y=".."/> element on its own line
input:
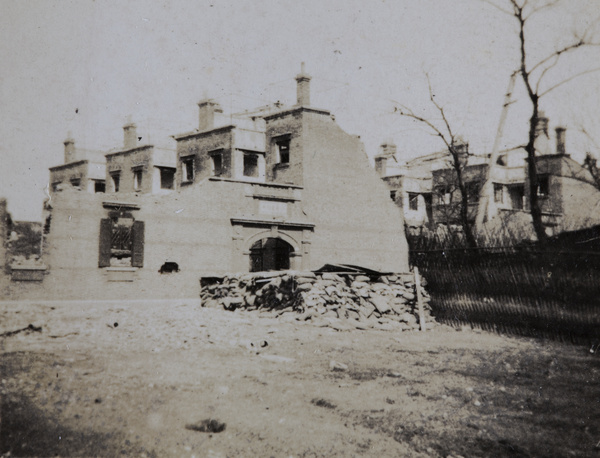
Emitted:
<point x="270" y="254"/>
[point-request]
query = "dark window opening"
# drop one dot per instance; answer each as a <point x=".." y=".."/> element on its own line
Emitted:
<point x="76" y="182"/>
<point x="167" y="178"/>
<point x="188" y="168"/>
<point x="543" y="188"/>
<point x="251" y="165"/>
<point x="498" y="193"/>
<point x="393" y="195"/>
<point x="516" y="194"/>
<point x="217" y="165"/>
<point x="283" y="150"/>
<point x="444" y="194"/>
<point x="413" y="201"/>
<point x="137" y="179"/>
<point x="55" y="186"/>
<point x="169" y="267"/>
<point x="270" y="254"/>
<point x="121" y="242"/>
<point x="99" y="186"/>
<point x="473" y="188"/>
<point x="116" y="181"/>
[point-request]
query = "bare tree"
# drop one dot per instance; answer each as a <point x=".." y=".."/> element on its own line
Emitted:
<point x="455" y="146"/>
<point x="533" y="76"/>
<point x="590" y="162"/>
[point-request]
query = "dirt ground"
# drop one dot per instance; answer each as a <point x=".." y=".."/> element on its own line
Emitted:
<point x="139" y="379"/>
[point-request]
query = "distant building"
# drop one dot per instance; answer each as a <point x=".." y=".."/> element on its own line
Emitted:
<point x="426" y="187"/>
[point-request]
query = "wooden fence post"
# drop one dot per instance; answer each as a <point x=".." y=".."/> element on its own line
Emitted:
<point x="419" y="299"/>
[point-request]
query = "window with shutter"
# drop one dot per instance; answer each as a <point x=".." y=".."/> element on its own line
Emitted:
<point x="105" y="242"/>
<point x="121" y="242"/>
<point x="138" y="244"/>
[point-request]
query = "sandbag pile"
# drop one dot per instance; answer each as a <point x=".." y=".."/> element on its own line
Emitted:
<point x="340" y="301"/>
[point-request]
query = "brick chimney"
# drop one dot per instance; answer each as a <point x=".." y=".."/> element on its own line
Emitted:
<point x="542" y="145"/>
<point x="130" y="139"/>
<point x="561" y="133"/>
<point x="208" y="109"/>
<point x="69" y="149"/>
<point x="303" y="87"/>
<point x="388" y="151"/>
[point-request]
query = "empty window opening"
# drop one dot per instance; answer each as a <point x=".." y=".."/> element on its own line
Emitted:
<point x="216" y="165"/>
<point x="445" y="194"/>
<point x="76" y="182"/>
<point x="167" y="178"/>
<point x="251" y="165"/>
<point x="169" y="267"/>
<point x="413" y="201"/>
<point x="498" y="193"/>
<point x="188" y="169"/>
<point x="99" y="186"/>
<point x="473" y="188"/>
<point x="121" y="241"/>
<point x="393" y="195"/>
<point x="283" y="150"/>
<point x="116" y="181"/>
<point x="543" y="188"/>
<point x="517" y="195"/>
<point x="270" y="254"/>
<point x="137" y="179"/>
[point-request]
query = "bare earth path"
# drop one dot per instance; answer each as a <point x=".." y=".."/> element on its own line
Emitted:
<point x="125" y="380"/>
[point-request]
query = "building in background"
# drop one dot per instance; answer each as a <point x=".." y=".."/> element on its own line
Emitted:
<point x="426" y="187"/>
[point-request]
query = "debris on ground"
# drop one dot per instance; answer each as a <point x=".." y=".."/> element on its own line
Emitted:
<point x="207" y="426"/>
<point x="342" y="301"/>
<point x="29" y="329"/>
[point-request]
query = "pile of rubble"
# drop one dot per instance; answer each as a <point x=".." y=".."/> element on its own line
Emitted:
<point x="340" y="301"/>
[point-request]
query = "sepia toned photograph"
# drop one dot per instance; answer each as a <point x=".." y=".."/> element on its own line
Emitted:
<point x="335" y="228"/>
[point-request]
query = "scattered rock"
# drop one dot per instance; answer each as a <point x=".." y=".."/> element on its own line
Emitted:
<point x="323" y="403"/>
<point x="337" y="366"/>
<point x="207" y="426"/>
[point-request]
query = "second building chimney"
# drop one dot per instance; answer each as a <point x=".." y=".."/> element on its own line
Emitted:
<point x="303" y="87"/>
<point x="69" y="149"/>
<point x="129" y="135"/>
<point x="208" y="109"/>
<point x="561" y="140"/>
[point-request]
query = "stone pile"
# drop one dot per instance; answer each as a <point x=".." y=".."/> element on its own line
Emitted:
<point x="340" y="301"/>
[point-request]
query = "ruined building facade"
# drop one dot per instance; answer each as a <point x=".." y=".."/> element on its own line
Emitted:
<point x="278" y="188"/>
<point x="426" y="187"/>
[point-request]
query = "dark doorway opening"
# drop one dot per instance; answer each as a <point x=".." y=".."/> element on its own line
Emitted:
<point x="270" y="254"/>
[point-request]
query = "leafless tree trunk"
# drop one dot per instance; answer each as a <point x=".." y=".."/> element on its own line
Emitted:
<point x="532" y="75"/>
<point x="454" y="145"/>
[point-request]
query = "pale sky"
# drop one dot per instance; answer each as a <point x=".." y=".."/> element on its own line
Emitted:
<point x="84" y="66"/>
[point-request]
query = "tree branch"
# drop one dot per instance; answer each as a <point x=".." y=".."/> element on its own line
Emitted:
<point x="571" y="78"/>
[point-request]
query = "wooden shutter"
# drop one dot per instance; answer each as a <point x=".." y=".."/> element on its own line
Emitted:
<point x="105" y="241"/>
<point x="137" y="257"/>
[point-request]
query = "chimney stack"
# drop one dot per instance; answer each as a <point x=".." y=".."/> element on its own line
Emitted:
<point x="129" y="135"/>
<point x="388" y="148"/>
<point x="69" y="149"/>
<point x="560" y="140"/>
<point x="208" y="109"/>
<point x="541" y="125"/>
<point x="303" y="87"/>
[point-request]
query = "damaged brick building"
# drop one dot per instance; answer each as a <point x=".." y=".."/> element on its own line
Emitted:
<point x="276" y="188"/>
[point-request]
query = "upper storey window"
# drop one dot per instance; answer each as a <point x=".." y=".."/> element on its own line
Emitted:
<point x="216" y="165"/>
<point x="116" y="181"/>
<point x="282" y="149"/>
<point x="187" y="168"/>
<point x="251" y="165"/>
<point x="137" y="179"/>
